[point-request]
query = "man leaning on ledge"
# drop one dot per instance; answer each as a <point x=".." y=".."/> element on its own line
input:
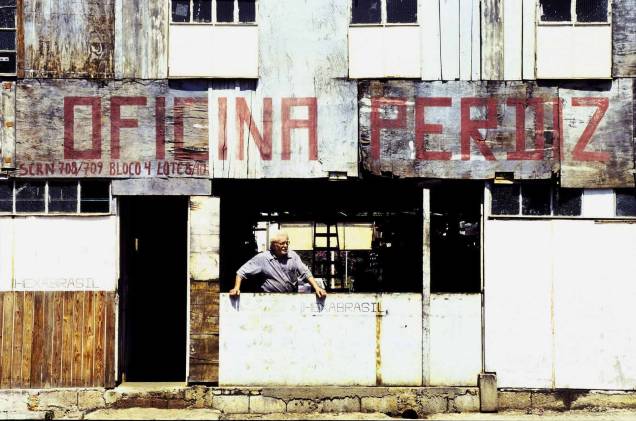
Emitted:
<point x="278" y="269"/>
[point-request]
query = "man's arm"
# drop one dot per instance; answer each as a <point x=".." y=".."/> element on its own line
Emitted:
<point x="320" y="293"/>
<point x="237" y="286"/>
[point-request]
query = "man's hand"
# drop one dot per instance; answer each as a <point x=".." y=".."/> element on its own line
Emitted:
<point x="320" y="293"/>
<point x="235" y="291"/>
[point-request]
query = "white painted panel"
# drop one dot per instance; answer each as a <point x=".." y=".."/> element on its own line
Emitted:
<point x="529" y="38"/>
<point x="513" y="48"/>
<point x="573" y="52"/>
<point x="476" y="39"/>
<point x="455" y="339"/>
<point x="465" y="39"/>
<point x="449" y="25"/>
<point x="598" y="203"/>
<point x="518" y="332"/>
<point x="594" y="296"/>
<point x="428" y="17"/>
<point x="285" y="339"/>
<point x="65" y="254"/>
<point x="213" y="51"/>
<point x="6" y="251"/>
<point x="376" y="52"/>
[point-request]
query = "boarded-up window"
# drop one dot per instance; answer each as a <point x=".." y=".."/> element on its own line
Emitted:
<point x="366" y="11"/>
<point x="95" y="196"/>
<point x="62" y="196"/>
<point x="626" y="202"/>
<point x="7" y="36"/>
<point x="29" y="196"/>
<point x="202" y="11"/>
<point x="401" y="11"/>
<point x="6" y="196"/>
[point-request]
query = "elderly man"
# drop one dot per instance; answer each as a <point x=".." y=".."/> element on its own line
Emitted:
<point x="279" y="269"/>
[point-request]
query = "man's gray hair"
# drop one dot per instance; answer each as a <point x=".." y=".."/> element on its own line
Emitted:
<point x="277" y="236"/>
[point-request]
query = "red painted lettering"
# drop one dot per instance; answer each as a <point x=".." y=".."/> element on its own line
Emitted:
<point x="117" y="123"/>
<point x="179" y="107"/>
<point x="521" y="153"/>
<point x="422" y="128"/>
<point x="470" y="128"/>
<point x="579" y="153"/>
<point x="311" y="124"/>
<point x="69" y="127"/>
<point x="378" y="123"/>
<point x="243" y="117"/>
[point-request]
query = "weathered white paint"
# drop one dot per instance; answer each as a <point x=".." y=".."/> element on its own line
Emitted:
<point x="476" y="41"/>
<point x="455" y="339"/>
<point x="465" y="39"/>
<point x="529" y="38"/>
<point x="517" y="286"/>
<point x="428" y="16"/>
<point x="450" y="28"/>
<point x="598" y="203"/>
<point x="513" y="43"/>
<point x="378" y="52"/>
<point x="204" y="224"/>
<point x="222" y="51"/>
<point x="283" y="339"/>
<point x="7" y="132"/>
<point x="59" y="253"/>
<point x="559" y="304"/>
<point x="574" y="52"/>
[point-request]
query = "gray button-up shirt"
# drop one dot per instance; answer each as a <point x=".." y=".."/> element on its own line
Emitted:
<point x="275" y="275"/>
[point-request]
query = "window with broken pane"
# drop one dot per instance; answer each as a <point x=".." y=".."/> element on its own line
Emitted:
<point x="62" y="196"/>
<point x="383" y="11"/>
<point x="29" y="196"/>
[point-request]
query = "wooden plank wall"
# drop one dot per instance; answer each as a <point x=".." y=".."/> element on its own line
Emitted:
<point x="7" y="131"/>
<point x="57" y="339"/>
<point x="141" y="40"/>
<point x="68" y="39"/>
<point x="624" y="38"/>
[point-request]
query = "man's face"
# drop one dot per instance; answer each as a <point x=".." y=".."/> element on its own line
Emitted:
<point x="280" y="246"/>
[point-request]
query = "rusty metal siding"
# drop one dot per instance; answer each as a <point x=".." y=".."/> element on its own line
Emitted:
<point x="141" y="39"/>
<point x="69" y="39"/>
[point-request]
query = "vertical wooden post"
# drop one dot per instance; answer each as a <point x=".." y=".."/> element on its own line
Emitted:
<point x="426" y="285"/>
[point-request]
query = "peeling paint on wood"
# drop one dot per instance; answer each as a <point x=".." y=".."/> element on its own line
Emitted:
<point x="492" y="40"/>
<point x="458" y="130"/>
<point x="68" y="39"/>
<point x="7" y="132"/>
<point x="141" y="39"/>
<point x="79" y="128"/>
<point x="598" y="135"/>
<point x="624" y="38"/>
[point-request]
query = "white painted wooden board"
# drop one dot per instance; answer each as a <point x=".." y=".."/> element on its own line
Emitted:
<point x="529" y="38"/>
<point x="379" y="52"/>
<point x="204" y="225"/>
<point x="213" y="51"/>
<point x="574" y="52"/>
<point x="518" y="283"/>
<point x="476" y="41"/>
<point x="455" y="339"/>
<point x="513" y="45"/>
<point x="62" y="254"/>
<point x="450" y="39"/>
<point x="285" y="340"/>
<point x="465" y="39"/>
<point x="594" y="295"/>
<point x="428" y="17"/>
<point x="6" y="252"/>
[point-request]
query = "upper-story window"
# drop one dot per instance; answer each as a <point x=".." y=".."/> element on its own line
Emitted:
<point x="7" y="37"/>
<point x="383" y="11"/>
<point x="213" y="11"/>
<point x="575" y="11"/>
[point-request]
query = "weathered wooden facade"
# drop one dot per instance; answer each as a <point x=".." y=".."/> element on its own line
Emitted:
<point x="148" y="145"/>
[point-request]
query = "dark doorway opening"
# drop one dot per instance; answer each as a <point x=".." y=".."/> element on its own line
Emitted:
<point x="153" y="288"/>
<point x="456" y="236"/>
